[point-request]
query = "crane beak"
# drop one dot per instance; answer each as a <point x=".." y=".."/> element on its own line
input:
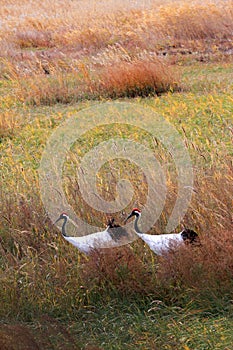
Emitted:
<point x="128" y="217"/>
<point x="57" y="220"/>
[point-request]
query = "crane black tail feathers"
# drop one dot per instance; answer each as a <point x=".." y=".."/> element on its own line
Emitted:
<point x="190" y="236"/>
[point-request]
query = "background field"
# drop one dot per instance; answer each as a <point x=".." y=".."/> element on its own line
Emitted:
<point x="175" y="57"/>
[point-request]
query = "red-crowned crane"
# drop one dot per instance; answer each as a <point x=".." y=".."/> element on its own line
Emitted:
<point x="161" y="243"/>
<point x="86" y="244"/>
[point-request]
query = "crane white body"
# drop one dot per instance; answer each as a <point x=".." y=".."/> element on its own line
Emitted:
<point x="161" y="243"/>
<point x="90" y="242"/>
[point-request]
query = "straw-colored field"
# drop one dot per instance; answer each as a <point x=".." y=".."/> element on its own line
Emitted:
<point x="59" y="58"/>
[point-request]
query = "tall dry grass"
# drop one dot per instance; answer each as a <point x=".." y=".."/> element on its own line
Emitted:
<point x="192" y="270"/>
<point x="41" y="273"/>
<point x="202" y="274"/>
<point x="138" y="78"/>
<point x="33" y="36"/>
<point x="84" y="50"/>
<point x="7" y="124"/>
<point x="124" y="79"/>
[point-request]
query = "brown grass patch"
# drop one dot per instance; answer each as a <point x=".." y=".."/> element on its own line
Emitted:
<point x="138" y="78"/>
<point x="16" y="337"/>
<point x="202" y="269"/>
<point x="125" y="79"/>
<point x="46" y="335"/>
<point x="117" y="270"/>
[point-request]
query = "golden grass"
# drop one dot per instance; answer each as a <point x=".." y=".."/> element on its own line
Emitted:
<point x="87" y="28"/>
<point x="64" y="53"/>
<point x="7" y="124"/>
<point x="193" y="21"/>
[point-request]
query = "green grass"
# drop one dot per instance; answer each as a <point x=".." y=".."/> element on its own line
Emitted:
<point x="155" y="327"/>
<point x="126" y="324"/>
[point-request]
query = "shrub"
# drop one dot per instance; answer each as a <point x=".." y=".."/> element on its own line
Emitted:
<point x="137" y="78"/>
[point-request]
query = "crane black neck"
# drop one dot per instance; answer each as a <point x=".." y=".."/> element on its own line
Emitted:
<point x="63" y="229"/>
<point x="137" y="229"/>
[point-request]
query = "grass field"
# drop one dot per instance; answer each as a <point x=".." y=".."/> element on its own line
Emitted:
<point x="174" y="57"/>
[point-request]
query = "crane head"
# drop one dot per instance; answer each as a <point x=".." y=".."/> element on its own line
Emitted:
<point x="135" y="212"/>
<point x="62" y="216"/>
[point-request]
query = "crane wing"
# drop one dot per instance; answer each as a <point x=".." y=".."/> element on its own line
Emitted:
<point x="161" y="243"/>
<point x="92" y="241"/>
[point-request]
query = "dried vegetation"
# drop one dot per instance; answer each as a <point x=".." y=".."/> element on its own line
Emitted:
<point x="76" y="51"/>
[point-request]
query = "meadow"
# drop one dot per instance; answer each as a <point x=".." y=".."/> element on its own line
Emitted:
<point x="174" y="57"/>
